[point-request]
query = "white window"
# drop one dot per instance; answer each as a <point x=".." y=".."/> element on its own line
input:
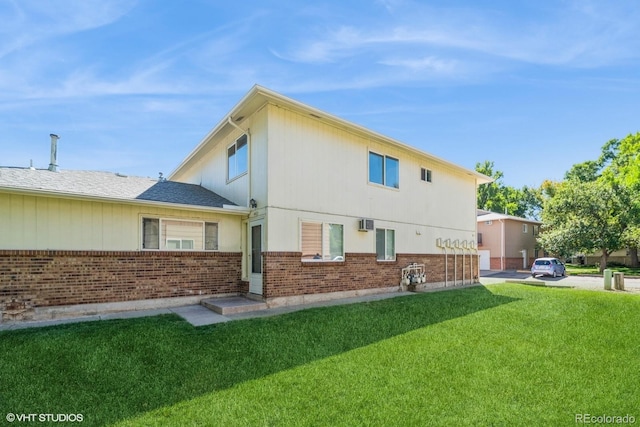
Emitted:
<point x="425" y="174"/>
<point x="385" y="244"/>
<point x="179" y="235"/>
<point x="237" y="158"/>
<point x="175" y="244"/>
<point x="384" y="170"/>
<point x="321" y="241"/>
<point x="525" y="228"/>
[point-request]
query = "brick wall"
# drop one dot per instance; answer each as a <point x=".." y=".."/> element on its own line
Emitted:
<point x="284" y="274"/>
<point x="509" y="263"/>
<point x="30" y="279"/>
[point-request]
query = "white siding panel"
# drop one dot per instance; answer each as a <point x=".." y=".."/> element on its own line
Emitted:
<point x="319" y="171"/>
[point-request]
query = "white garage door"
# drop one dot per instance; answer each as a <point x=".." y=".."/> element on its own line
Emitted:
<point x="485" y="260"/>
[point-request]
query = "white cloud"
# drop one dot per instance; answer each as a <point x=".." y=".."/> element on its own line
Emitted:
<point x="26" y="22"/>
<point x="581" y="36"/>
<point x="429" y="63"/>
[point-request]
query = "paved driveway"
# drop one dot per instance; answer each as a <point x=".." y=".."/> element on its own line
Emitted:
<point x="582" y="282"/>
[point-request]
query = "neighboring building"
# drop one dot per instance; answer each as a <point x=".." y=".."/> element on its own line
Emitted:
<point x="280" y="200"/>
<point x="507" y="242"/>
<point x="620" y="257"/>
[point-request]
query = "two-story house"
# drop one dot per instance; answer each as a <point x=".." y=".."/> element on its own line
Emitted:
<point x="507" y="242"/>
<point x="280" y="200"/>
<point x="334" y="206"/>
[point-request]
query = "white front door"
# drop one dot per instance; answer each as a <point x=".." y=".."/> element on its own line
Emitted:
<point x="256" y="234"/>
<point x="485" y="259"/>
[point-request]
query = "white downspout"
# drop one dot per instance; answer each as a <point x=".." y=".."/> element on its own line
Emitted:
<point x="462" y="250"/>
<point x="249" y="189"/>
<point x="475" y="251"/>
<point x="471" y="262"/>
<point x="455" y="265"/>
<point x="446" y="267"/>
<point x="502" y="250"/>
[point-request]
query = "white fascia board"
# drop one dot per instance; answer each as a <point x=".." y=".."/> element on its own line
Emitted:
<point x="221" y="124"/>
<point x="494" y="216"/>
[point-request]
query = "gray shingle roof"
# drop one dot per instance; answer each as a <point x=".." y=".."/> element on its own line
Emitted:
<point x="109" y="185"/>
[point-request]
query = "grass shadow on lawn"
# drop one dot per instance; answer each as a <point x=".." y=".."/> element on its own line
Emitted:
<point x="114" y="370"/>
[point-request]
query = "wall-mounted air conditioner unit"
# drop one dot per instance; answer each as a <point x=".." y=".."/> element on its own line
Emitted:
<point x="439" y="242"/>
<point x="365" y="224"/>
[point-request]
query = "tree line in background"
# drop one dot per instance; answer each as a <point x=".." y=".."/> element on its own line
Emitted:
<point x="596" y="208"/>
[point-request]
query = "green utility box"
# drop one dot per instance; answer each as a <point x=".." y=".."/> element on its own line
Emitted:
<point x="607" y="279"/>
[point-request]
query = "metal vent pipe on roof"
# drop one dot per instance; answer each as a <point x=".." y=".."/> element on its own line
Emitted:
<point x="53" y="166"/>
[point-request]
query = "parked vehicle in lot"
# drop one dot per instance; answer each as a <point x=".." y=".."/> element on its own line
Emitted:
<point x="548" y="267"/>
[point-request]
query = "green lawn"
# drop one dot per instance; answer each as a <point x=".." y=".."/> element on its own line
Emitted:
<point x="573" y="269"/>
<point x="496" y="355"/>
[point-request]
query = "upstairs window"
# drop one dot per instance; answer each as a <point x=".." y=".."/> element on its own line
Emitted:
<point x="237" y="158"/>
<point x="384" y="170"/>
<point x="525" y="228"/>
<point x="425" y="174"/>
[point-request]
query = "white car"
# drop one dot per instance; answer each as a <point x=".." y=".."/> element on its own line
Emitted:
<point x="548" y="267"/>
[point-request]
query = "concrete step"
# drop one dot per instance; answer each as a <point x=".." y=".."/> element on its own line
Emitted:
<point x="233" y="305"/>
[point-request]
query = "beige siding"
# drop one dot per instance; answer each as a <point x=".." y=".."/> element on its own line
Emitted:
<point x="518" y="240"/>
<point x="491" y="237"/>
<point x="320" y="172"/>
<point x="30" y="222"/>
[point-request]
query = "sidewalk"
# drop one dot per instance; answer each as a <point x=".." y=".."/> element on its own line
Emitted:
<point x="199" y="315"/>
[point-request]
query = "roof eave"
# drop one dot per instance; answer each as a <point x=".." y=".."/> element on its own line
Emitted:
<point x="494" y="216"/>
<point x="279" y="99"/>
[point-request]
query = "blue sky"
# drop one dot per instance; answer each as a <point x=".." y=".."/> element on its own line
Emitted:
<point x="133" y="86"/>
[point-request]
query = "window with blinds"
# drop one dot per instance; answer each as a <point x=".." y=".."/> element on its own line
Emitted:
<point x="173" y="235"/>
<point x="322" y="241"/>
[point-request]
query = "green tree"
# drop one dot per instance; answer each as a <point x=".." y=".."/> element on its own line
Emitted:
<point x="584" y="172"/>
<point x="497" y="197"/>
<point x="621" y="168"/>
<point x="584" y="217"/>
<point x="490" y="195"/>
